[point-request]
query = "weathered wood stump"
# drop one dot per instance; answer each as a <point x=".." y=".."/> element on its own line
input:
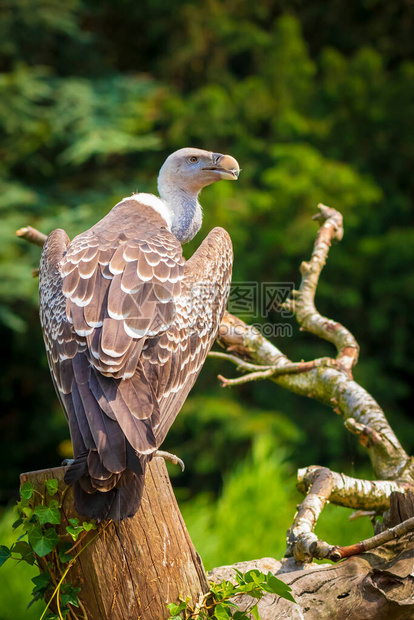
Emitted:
<point x="138" y="565"/>
<point x="376" y="585"/>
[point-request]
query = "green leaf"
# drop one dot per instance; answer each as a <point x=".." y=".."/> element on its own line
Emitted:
<point x="69" y="599"/>
<point x="17" y="523"/>
<point x="48" y="514"/>
<point x="221" y="612"/>
<point x="254" y="576"/>
<point x="254" y="612"/>
<point x="64" y="556"/>
<point x="74" y="531"/>
<point x="35" y="598"/>
<point x="279" y="587"/>
<point x="175" y="609"/>
<point x="5" y="554"/>
<point x="52" y="486"/>
<point x="74" y="522"/>
<point x="28" y="512"/>
<point x="43" y="541"/>
<point x="26" y="490"/>
<point x="41" y="582"/>
<point x="89" y="525"/>
<point x="25" y="551"/>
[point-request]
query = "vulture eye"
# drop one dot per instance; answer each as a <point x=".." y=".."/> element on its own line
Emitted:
<point x="193" y="159"/>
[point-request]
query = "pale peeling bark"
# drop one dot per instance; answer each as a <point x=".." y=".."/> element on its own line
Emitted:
<point x="329" y="381"/>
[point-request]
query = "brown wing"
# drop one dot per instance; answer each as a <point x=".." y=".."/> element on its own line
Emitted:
<point x="102" y="296"/>
<point x="127" y="327"/>
<point x="173" y="361"/>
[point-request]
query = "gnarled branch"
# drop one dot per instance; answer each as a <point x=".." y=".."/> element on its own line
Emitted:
<point x="330" y="383"/>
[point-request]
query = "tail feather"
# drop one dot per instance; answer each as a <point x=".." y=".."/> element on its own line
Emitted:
<point x="119" y="503"/>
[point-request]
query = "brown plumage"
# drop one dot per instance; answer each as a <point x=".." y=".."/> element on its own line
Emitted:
<point x="127" y="324"/>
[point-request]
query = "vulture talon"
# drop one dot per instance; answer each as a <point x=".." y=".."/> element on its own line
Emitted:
<point x="174" y="459"/>
<point x="67" y="462"/>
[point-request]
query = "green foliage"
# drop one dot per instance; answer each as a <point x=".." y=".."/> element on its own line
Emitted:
<point x="38" y="514"/>
<point x="15" y="575"/>
<point x="221" y="601"/>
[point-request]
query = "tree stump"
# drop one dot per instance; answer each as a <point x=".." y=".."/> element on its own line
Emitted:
<point x="138" y="565"/>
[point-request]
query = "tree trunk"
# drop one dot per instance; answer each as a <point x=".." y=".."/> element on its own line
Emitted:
<point x="138" y="565"/>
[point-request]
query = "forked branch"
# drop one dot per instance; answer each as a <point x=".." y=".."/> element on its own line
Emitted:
<point x="329" y="381"/>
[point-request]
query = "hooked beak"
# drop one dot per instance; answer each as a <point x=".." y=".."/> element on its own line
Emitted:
<point x="225" y="165"/>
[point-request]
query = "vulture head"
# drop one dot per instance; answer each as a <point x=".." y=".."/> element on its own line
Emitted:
<point x="182" y="177"/>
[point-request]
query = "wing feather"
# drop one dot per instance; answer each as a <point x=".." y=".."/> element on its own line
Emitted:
<point x="127" y="326"/>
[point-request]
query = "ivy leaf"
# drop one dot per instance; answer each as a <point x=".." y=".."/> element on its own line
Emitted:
<point x="17" y="523"/>
<point x="28" y="512"/>
<point x="69" y="599"/>
<point x="35" y="598"/>
<point x="88" y="526"/>
<point x="64" y="556"/>
<point x="26" y="490"/>
<point x="175" y="609"/>
<point x="25" y="551"/>
<point x="74" y="531"/>
<point x="41" y="582"/>
<point x="52" y="486"/>
<point x="5" y="554"/>
<point x="68" y="588"/>
<point x="48" y="514"/>
<point x="43" y="541"/>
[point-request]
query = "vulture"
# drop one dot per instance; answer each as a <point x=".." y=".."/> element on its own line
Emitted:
<point x="127" y="324"/>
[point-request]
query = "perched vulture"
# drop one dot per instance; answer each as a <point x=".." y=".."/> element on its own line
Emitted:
<point x="127" y="325"/>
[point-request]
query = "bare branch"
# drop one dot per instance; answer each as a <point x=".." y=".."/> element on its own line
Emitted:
<point x="267" y="372"/>
<point x="304" y="299"/>
<point x="366" y="434"/>
<point x="302" y="541"/>
<point x="32" y="235"/>
<point x="253" y="376"/>
<point x="327" y="384"/>
<point x="322" y="485"/>
<point x="241" y="364"/>
<point x="353" y="492"/>
<point x="338" y="553"/>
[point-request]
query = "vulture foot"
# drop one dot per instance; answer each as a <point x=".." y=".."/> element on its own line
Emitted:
<point x="175" y="460"/>
<point x="67" y="462"/>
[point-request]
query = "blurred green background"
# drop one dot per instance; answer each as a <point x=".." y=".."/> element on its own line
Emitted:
<point x="315" y="100"/>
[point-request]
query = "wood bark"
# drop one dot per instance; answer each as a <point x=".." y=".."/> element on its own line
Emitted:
<point x="138" y="565"/>
<point x="374" y="586"/>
